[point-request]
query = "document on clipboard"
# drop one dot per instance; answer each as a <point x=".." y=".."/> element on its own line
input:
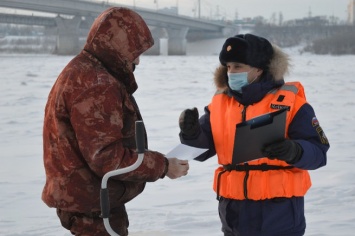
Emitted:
<point x="252" y="135"/>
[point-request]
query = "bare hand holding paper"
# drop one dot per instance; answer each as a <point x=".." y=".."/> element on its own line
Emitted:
<point x="183" y="151"/>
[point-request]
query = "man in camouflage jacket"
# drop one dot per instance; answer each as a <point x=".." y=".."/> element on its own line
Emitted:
<point x="89" y="128"/>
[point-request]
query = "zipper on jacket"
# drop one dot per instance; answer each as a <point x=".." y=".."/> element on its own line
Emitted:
<point x="244" y="113"/>
<point x="245" y="182"/>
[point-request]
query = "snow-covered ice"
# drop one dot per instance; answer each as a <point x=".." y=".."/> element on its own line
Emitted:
<point x="167" y="85"/>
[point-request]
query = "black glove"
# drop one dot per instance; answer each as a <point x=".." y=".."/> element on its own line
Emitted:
<point x="188" y="122"/>
<point x="286" y="150"/>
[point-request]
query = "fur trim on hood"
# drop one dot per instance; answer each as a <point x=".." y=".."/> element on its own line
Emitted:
<point x="278" y="68"/>
<point x="279" y="64"/>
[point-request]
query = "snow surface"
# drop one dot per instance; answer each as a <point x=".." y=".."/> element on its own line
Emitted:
<point x="167" y="85"/>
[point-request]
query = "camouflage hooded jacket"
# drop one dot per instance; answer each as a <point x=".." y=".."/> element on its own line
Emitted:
<point x="89" y="123"/>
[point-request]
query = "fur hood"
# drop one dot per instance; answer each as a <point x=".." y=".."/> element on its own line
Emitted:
<point x="278" y="68"/>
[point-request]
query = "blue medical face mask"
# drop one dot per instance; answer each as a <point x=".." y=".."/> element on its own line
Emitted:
<point x="237" y="80"/>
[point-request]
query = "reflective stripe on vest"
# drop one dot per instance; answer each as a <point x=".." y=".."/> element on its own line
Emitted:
<point x="225" y="113"/>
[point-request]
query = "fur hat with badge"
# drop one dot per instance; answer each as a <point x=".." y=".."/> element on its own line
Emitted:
<point x="257" y="52"/>
<point x="247" y="49"/>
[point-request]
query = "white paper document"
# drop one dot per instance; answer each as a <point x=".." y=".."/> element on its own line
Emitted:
<point x="183" y="151"/>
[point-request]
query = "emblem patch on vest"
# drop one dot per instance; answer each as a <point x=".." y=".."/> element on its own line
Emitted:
<point x="280" y="107"/>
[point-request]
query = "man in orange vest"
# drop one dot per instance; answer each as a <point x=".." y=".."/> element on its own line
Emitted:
<point x="263" y="196"/>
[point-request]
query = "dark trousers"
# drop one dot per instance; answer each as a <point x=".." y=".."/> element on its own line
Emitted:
<point x="89" y="224"/>
<point x="271" y="217"/>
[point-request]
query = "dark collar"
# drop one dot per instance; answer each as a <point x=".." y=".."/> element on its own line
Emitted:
<point x="253" y="93"/>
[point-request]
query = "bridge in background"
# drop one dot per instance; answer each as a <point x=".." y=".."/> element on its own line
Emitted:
<point x="170" y="31"/>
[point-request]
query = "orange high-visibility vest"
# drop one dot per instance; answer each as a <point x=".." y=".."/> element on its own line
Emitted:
<point x="225" y="113"/>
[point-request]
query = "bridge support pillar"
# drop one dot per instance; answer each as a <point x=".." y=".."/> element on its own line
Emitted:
<point x="67" y="36"/>
<point x="177" y="41"/>
<point x="160" y="46"/>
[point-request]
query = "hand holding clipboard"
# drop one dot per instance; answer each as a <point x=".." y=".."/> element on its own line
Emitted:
<point x="252" y="135"/>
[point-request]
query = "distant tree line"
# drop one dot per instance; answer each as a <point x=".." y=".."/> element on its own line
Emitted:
<point x="27" y="44"/>
<point x="318" y="39"/>
<point x="20" y="30"/>
<point x="339" y="44"/>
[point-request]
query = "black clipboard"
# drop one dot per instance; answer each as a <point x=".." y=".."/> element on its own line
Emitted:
<point x="252" y="135"/>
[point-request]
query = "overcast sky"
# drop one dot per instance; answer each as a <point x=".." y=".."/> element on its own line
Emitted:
<point x="228" y="9"/>
<point x="290" y="9"/>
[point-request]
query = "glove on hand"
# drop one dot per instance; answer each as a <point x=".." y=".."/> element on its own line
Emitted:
<point x="286" y="150"/>
<point x="188" y="122"/>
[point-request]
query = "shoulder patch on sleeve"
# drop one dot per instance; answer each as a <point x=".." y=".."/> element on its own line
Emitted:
<point x="321" y="134"/>
<point x="315" y="121"/>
